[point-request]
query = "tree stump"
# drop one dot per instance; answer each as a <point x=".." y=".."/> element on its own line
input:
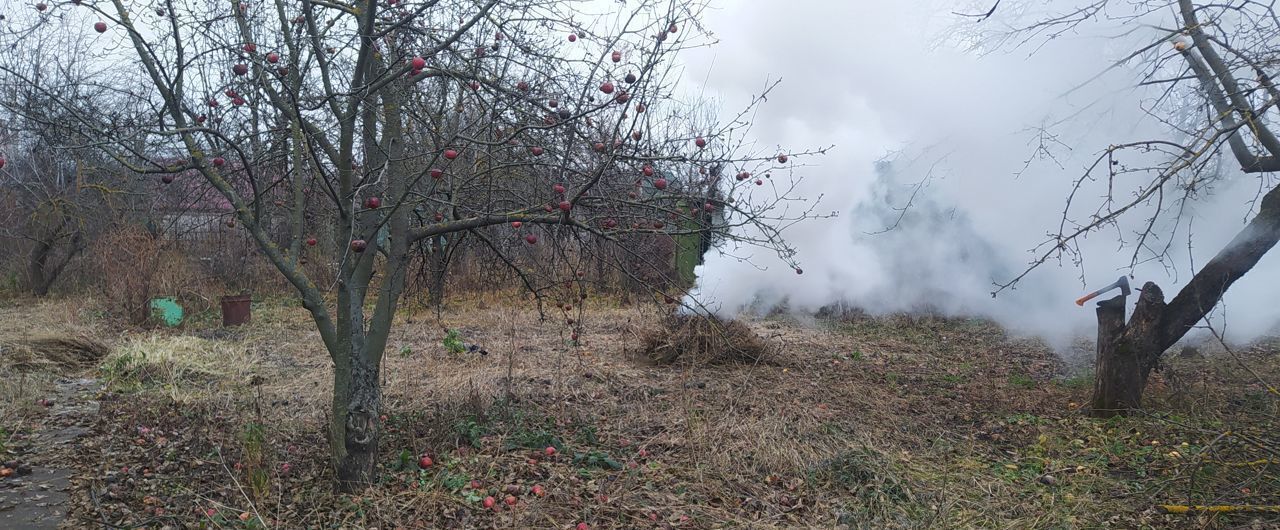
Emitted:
<point x="1118" y="379"/>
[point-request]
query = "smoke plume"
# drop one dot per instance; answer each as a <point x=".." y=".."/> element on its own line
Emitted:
<point x="950" y="165"/>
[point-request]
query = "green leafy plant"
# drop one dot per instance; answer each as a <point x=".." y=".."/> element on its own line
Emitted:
<point x="598" y="459"/>
<point x="453" y="342"/>
<point x="470" y="430"/>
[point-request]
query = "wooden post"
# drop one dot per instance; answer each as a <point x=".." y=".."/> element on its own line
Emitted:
<point x="1118" y="380"/>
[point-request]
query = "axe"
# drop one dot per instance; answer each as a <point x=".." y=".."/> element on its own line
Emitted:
<point x="1122" y="283"/>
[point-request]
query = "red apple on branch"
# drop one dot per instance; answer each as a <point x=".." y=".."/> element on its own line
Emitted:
<point x="359" y="245"/>
<point x="558" y="188"/>
<point x="437" y="173"/>
<point x="219" y="161"/>
<point x="660" y="184"/>
<point x="240" y="69"/>
<point x="516" y="224"/>
<point x="311" y="242"/>
<point x="372" y="203"/>
<point x="700" y="142"/>
<point x="418" y="63"/>
<point x="607" y="87"/>
<point x="782" y="158"/>
<point x="536" y="150"/>
<point x="565" y="206"/>
<point x="531" y="239"/>
<point x="616" y="56"/>
<point x="631" y="78"/>
<point x="573" y="37"/>
<point x="100" y="27"/>
<point x="450" y="154"/>
<point x="250" y="48"/>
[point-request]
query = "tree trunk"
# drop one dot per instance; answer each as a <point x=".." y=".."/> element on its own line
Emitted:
<point x="35" y="268"/>
<point x="1117" y="385"/>
<point x="353" y="434"/>
<point x="438" y="263"/>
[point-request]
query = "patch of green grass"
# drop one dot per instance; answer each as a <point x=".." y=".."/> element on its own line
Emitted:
<point x="877" y="486"/>
<point x="1022" y="381"/>
<point x="1077" y="381"/>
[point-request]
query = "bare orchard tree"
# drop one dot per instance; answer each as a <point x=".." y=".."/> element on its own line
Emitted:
<point x="519" y="121"/>
<point x="58" y="196"/>
<point x="1215" y="63"/>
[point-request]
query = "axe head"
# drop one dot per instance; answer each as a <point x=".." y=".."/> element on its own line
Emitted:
<point x="1122" y="284"/>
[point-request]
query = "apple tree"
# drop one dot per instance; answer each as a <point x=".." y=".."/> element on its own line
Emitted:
<point x="1210" y="67"/>
<point x="535" y="128"/>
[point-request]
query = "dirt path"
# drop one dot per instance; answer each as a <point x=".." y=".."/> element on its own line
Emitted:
<point x="37" y="497"/>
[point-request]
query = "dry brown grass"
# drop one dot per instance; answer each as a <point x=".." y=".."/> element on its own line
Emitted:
<point x="52" y="352"/>
<point x="894" y="422"/>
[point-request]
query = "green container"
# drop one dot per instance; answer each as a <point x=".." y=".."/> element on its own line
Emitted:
<point x="167" y="311"/>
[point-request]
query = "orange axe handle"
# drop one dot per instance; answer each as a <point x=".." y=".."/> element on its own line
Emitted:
<point x="1087" y="297"/>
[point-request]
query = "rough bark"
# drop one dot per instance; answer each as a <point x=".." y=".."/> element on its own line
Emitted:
<point x="438" y="263"/>
<point x="356" y="404"/>
<point x="1116" y="386"/>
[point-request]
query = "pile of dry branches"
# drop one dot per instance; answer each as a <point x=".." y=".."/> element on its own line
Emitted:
<point x="696" y="339"/>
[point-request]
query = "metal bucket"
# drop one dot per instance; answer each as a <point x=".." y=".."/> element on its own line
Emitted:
<point x="235" y="309"/>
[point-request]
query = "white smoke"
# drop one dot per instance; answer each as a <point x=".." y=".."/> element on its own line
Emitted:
<point x="872" y="78"/>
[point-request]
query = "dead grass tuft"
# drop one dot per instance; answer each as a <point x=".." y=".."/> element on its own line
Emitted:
<point x="703" y="340"/>
<point x="182" y="365"/>
<point x="52" y="352"/>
